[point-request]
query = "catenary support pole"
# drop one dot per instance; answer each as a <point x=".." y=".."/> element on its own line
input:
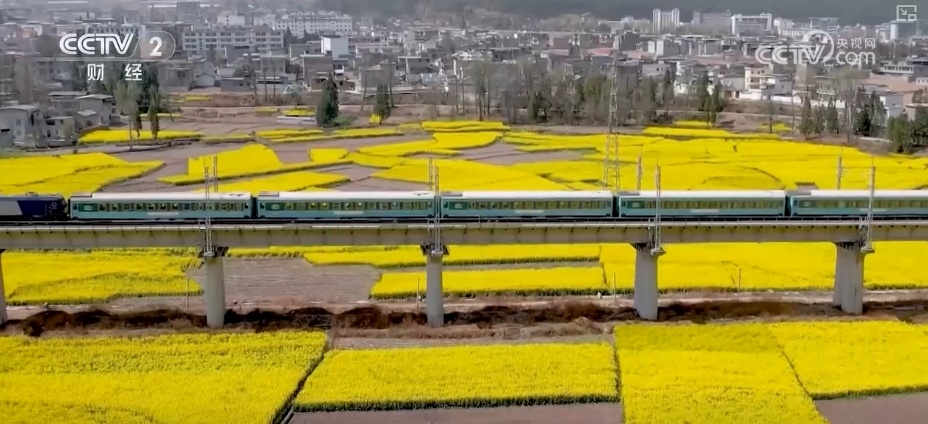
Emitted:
<point x="434" y="295"/>
<point x="646" y="281"/>
<point x="214" y="292"/>
<point x="3" y="316"/>
<point x="849" y="277"/>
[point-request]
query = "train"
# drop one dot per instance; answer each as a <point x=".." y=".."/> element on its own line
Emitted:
<point x="464" y="206"/>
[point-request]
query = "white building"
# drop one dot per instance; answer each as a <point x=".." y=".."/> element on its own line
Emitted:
<point x="316" y="23"/>
<point x="665" y="20"/>
<point x="751" y="24"/>
<point x="902" y="30"/>
<point x="259" y="39"/>
<point x="337" y="46"/>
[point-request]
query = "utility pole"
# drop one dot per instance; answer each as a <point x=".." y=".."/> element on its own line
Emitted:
<point x="868" y="240"/>
<point x="611" y="150"/>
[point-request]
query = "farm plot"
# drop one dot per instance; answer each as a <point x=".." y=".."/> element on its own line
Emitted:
<point x="249" y="161"/>
<point x="839" y="359"/>
<point x="708" y="374"/>
<point x="470" y="376"/>
<point x="67" y="174"/>
<point x="196" y="379"/>
<point x="95" y="276"/>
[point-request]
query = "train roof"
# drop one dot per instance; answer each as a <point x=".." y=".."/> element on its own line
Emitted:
<point x="509" y="195"/>
<point x="711" y="194"/>
<point x="842" y="194"/>
<point x="346" y="195"/>
<point x="181" y="196"/>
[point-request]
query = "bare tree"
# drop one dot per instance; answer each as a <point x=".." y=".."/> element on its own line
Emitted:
<point x="127" y="103"/>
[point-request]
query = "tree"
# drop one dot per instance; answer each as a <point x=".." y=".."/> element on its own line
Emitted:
<point x="127" y="103"/>
<point x="714" y="104"/>
<point x="667" y="88"/>
<point x="702" y="91"/>
<point x="327" y="109"/>
<point x="900" y="133"/>
<point x="832" y="123"/>
<point x="818" y="120"/>
<point x="154" y="124"/>
<point x="382" y="106"/>
<point x="806" y="124"/>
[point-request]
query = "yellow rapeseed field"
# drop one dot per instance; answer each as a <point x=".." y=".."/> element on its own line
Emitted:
<point x="463" y="126"/>
<point x="441" y="144"/>
<point x="839" y="359"/>
<point x="704" y="133"/>
<point x="541" y="281"/>
<point x="291" y="181"/>
<point x="123" y="136"/>
<point x="719" y="163"/>
<point x="460" y="376"/>
<point x="192" y="379"/>
<point x="95" y="276"/>
<point x="708" y="374"/>
<point x="248" y="161"/>
<point x="316" y="135"/>
<point x="67" y="174"/>
<point x="466" y="175"/>
<point x="766" y="266"/>
<point x="408" y="256"/>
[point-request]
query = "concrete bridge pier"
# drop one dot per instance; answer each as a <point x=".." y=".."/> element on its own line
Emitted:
<point x="646" y="292"/>
<point x="434" y="295"/>
<point x="3" y="316"/>
<point x="849" y="276"/>
<point x="214" y="291"/>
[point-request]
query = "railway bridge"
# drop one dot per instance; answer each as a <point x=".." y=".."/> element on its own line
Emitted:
<point x="852" y="239"/>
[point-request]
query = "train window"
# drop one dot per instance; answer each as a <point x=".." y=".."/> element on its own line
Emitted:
<point x="725" y="205"/>
<point x="428" y="205"/>
<point x="223" y="207"/>
<point x="562" y="205"/>
<point x="517" y="205"/>
<point x="550" y="205"/>
<point x="150" y="207"/>
<point x="300" y="206"/>
<point x="288" y="206"/>
<point x="338" y="206"/>
<point x="506" y="205"/>
<point x="481" y="205"/>
<point x="185" y="206"/>
<point x="383" y="206"/>
<point x="394" y="206"/>
<point x="493" y="205"/>
<point x="587" y="205"/>
<point x="175" y="206"/>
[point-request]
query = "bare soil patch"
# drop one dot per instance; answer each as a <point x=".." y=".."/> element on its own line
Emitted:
<point x="896" y="409"/>
<point x="483" y="316"/>
<point x="602" y="413"/>
<point x="249" y="280"/>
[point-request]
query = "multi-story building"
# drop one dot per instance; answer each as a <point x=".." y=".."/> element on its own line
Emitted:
<point x="715" y="20"/>
<point x="316" y="23"/>
<point x="751" y="24"/>
<point x="259" y="39"/>
<point x="664" y="20"/>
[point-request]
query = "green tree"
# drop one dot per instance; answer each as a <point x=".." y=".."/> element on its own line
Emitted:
<point x="818" y="120"/>
<point x="806" y="125"/>
<point x="832" y="123"/>
<point x="667" y="87"/>
<point x="702" y="92"/>
<point x="327" y="109"/>
<point x="714" y="104"/>
<point x="382" y="105"/>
